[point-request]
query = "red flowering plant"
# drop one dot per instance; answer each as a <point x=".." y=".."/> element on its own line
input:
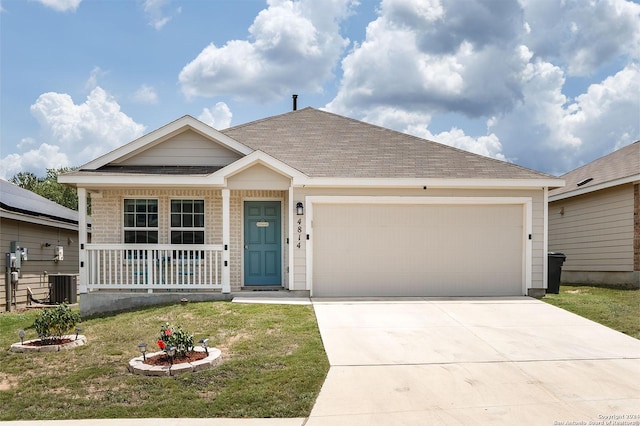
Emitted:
<point x="176" y="337"/>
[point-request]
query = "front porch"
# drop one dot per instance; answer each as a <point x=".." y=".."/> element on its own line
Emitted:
<point x="109" y="262"/>
<point x="154" y="267"/>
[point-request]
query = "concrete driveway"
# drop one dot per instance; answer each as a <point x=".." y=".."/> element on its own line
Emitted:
<point x="472" y="361"/>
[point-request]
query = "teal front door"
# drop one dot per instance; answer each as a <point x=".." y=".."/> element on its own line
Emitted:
<point x="262" y="243"/>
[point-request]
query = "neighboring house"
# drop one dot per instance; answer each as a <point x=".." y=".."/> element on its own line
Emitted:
<point x="595" y="220"/>
<point x="40" y="226"/>
<point x="314" y="202"/>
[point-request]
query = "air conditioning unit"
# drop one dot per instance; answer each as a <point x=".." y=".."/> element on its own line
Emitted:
<point x="63" y="288"/>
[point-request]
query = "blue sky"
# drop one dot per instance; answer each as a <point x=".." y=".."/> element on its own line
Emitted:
<point x="545" y="84"/>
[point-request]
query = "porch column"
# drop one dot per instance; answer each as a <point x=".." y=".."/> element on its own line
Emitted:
<point x="83" y="266"/>
<point x="226" y="238"/>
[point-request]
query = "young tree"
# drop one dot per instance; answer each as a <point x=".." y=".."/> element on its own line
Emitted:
<point x="48" y="187"/>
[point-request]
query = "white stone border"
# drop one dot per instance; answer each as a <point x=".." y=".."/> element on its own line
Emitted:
<point x="25" y="347"/>
<point x="137" y="365"/>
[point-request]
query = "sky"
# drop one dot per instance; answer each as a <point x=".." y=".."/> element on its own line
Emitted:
<point x="546" y="84"/>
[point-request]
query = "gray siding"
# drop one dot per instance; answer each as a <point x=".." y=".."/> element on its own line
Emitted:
<point x="40" y="263"/>
<point x="595" y="230"/>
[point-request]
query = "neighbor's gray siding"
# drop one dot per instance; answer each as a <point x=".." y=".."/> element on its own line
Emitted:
<point x="40" y="263"/>
<point x="595" y="230"/>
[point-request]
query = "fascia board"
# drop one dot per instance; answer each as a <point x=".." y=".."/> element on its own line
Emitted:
<point x="38" y="220"/>
<point x="186" y="122"/>
<point x="593" y="188"/>
<point x="429" y="183"/>
<point x="113" y="180"/>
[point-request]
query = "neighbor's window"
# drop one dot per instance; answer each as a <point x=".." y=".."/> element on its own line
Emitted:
<point x="140" y="221"/>
<point x="187" y="221"/>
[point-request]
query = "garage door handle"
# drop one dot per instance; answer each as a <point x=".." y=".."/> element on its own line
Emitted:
<point x="246" y="247"/>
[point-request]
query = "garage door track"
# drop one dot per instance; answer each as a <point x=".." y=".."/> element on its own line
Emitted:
<point x="472" y="361"/>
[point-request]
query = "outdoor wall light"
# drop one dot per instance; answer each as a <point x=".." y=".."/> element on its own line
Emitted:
<point x="21" y="334"/>
<point x="142" y="347"/>
<point x="299" y="209"/>
<point x="204" y="343"/>
<point x="78" y="330"/>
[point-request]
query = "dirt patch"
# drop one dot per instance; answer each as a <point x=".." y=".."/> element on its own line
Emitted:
<point x="163" y="359"/>
<point x="7" y="382"/>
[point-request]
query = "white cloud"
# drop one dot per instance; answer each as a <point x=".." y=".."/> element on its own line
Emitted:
<point x="583" y="35"/>
<point x="145" y="95"/>
<point x="155" y="10"/>
<point x="36" y="161"/>
<point x="218" y="117"/>
<point x="504" y="62"/>
<point x="86" y="130"/>
<point x="556" y="134"/>
<point x="26" y="143"/>
<point x="293" y="46"/>
<point x="435" y="57"/>
<point x="62" y="5"/>
<point x="92" y="81"/>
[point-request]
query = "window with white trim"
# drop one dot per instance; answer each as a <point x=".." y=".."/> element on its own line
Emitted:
<point x="187" y="222"/>
<point x="140" y="221"/>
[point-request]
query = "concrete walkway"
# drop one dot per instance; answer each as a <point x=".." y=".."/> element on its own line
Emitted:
<point x="472" y="361"/>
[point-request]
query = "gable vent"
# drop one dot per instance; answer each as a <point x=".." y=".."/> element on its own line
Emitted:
<point x="584" y="182"/>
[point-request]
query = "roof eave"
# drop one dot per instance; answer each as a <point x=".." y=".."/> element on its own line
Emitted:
<point x="592" y="188"/>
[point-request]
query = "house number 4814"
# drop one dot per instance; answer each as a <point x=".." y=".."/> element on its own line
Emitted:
<point x="299" y="242"/>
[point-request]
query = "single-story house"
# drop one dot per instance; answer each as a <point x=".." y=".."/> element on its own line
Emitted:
<point x="595" y="220"/>
<point x="314" y="202"/>
<point x="38" y="231"/>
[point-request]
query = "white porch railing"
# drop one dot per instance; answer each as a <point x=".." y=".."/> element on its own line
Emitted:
<point x="154" y="266"/>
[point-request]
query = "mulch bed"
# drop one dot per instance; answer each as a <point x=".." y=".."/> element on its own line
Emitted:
<point x="163" y="359"/>
<point x="48" y="342"/>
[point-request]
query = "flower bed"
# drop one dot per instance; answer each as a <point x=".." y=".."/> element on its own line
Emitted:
<point x="36" y="345"/>
<point x="139" y="366"/>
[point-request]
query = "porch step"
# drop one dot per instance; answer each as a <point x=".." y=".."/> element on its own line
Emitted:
<point x="262" y="288"/>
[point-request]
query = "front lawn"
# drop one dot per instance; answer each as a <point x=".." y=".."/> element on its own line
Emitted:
<point x="273" y="366"/>
<point x="616" y="308"/>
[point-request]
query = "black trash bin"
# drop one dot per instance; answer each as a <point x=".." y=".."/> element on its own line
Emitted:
<point x="555" y="269"/>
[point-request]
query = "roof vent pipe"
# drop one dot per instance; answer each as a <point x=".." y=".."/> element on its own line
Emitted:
<point x="295" y="102"/>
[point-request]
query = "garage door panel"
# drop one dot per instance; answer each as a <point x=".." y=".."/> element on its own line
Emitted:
<point x="417" y="250"/>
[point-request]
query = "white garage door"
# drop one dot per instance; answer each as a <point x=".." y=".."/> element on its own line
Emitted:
<point x="417" y="250"/>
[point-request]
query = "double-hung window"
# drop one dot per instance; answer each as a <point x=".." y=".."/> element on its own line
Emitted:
<point x="140" y="221"/>
<point x="187" y="222"/>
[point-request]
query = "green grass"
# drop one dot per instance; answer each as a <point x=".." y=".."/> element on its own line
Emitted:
<point x="616" y="308"/>
<point x="273" y="366"/>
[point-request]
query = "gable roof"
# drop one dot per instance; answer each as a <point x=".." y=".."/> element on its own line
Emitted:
<point x="28" y="204"/>
<point x="619" y="167"/>
<point x="323" y="144"/>
<point x="163" y="133"/>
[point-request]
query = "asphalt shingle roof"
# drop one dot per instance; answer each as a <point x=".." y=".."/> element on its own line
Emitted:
<point x="322" y="144"/>
<point x="620" y="164"/>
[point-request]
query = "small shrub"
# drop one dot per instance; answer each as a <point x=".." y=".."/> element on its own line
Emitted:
<point x="175" y="336"/>
<point x="53" y="323"/>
